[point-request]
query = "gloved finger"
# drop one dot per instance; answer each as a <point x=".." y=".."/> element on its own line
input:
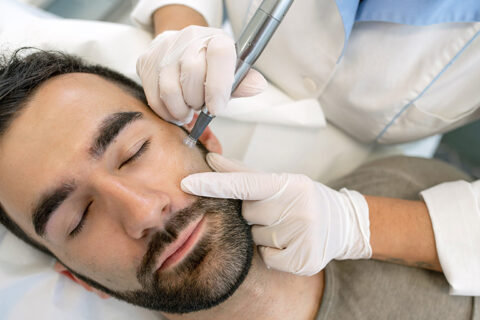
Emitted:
<point x="272" y="231"/>
<point x="284" y="260"/>
<point x="220" y="163"/>
<point x="221" y="59"/>
<point x="274" y="258"/>
<point x="171" y="93"/>
<point x="234" y="185"/>
<point x="192" y="74"/>
<point x="150" y="86"/>
<point x="253" y="84"/>
<point x="265" y="236"/>
<point x="156" y="104"/>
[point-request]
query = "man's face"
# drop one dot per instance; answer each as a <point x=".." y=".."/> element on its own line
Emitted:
<point x="92" y="174"/>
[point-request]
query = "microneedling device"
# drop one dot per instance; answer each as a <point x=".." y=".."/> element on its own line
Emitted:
<point x="250" y="45"/>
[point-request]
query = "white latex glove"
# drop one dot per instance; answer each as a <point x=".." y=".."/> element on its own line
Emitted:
<point x="299" y="225"/>
<point x="184" y="69"/>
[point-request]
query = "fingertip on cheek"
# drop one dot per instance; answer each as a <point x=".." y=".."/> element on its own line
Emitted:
<point x="185" y="184"/>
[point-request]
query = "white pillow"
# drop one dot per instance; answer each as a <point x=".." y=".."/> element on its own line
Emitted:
<point x="31" y="289"/>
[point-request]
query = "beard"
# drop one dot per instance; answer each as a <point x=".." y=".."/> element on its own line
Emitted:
<point x="208" y="275"/>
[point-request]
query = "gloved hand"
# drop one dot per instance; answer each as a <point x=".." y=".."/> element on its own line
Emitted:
<point x="184" y="69"/>
<point x="299" y="225"/>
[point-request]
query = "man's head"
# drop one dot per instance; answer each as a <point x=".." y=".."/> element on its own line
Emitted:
<point x="92" y="176"/>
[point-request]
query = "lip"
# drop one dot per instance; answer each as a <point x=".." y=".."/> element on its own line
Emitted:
<point x="176" y="251"/>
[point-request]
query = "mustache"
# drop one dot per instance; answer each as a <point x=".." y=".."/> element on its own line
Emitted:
<point x="161" y="239"/>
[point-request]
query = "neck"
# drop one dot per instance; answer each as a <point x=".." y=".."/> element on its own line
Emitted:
<point x="267" y="294"/>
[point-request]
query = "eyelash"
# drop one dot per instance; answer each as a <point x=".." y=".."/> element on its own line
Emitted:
<point x="79" y="226"/>
<point x="137" y="154"/>
<point x="140" y="151"/>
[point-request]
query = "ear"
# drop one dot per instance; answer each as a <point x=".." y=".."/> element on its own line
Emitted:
<point x="60" y="268"/>
<point x="209" y="140"/>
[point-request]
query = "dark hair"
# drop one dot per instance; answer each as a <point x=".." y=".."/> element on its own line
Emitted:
<point x="21" y="74"/>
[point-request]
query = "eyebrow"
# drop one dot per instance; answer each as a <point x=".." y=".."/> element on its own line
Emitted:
<point x="48" y="203"/>
<point x="109" y="129"/>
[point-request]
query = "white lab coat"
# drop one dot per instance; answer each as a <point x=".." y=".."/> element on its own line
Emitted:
<point x="389" y="83"/>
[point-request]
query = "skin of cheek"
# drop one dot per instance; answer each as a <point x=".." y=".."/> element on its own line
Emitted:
<point x="103" y="252"/>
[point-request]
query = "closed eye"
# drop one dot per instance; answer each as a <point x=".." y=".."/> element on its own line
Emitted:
<point x="137" y="154"/>
<point x="134" y="157"/>
<point x="79" y="226"/>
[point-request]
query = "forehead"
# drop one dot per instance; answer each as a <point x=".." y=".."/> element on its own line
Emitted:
<point x="54" y="130"/>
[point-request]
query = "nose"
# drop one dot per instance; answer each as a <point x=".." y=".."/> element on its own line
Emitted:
<point x="139" y="209"/>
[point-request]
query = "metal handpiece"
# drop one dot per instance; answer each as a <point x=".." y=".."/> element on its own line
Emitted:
<point x="250" y="45"/>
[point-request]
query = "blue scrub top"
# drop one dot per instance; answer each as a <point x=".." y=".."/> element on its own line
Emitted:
<point x="412" y="12"/>
<point x="419" y="12"/>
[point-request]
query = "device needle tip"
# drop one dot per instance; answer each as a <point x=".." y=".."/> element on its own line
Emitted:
<point x="189" y="142"/>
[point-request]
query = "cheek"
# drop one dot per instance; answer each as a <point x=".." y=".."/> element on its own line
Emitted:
<point x="106" y="256"/>
<point x="190" y="160"/>
<point x="173" y="162"/>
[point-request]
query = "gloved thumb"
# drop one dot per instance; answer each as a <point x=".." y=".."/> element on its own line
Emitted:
<point x="273" y="258"/>
<point x="253" y="84"/>
<point x="280" y="259"/>
<point x="220" y="163"/>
